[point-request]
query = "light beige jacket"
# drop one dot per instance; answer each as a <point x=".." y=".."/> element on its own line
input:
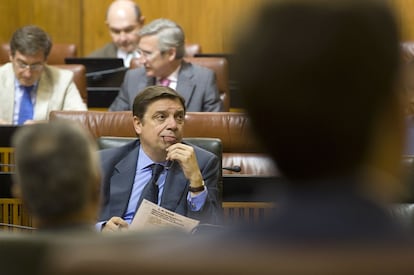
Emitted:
<point x="56" y="91"/>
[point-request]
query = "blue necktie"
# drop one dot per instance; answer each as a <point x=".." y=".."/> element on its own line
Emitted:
<point x="26" y="105"/>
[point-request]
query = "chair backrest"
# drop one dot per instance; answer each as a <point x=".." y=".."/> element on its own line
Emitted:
<point x="191" y="49"/>
<point x="79" y="77"/>
<point x="57" y="55"/>
<point x="219" y="65"/>
<point x="240" y="146"/>
<point x="212" y="145"/>
<point x="4" y="53"/>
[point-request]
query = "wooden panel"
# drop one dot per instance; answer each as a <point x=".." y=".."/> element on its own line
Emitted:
<point x="247" y="212"/>
<point x="404" y="11"/>
<point x="14" y="15"/>
<point x="6" y="159"/>
<point x="207" y="22"/>
<point x="61" y="19"/>
<point x="14" y="214"/>
<point x="96" y="33"/>
<point x="211" y="23"/>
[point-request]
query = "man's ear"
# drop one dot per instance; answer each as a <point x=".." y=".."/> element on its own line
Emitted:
<point x="171" y="54"/>
<point x="141" y="20"/>
<point x="137" y="125"/>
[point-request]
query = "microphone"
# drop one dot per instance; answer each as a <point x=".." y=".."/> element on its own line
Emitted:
<point x="99" y="74"/>
<point x="234" y="168"/>
<point x="17" y="226"/>
<point x="6" y="165"/>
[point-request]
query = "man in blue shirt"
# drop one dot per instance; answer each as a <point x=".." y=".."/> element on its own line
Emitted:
<point x="188" y="183"/>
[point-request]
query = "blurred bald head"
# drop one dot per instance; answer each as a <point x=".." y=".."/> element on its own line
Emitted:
<point x="124" y="20"/>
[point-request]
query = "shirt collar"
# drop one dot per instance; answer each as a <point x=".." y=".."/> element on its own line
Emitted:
<point x="172" y="77"/>
<point x="144" y="160"/>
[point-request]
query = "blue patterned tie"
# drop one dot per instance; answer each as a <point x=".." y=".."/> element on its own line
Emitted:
<point x="150" y="191"/>
<point x="26" y="105"/>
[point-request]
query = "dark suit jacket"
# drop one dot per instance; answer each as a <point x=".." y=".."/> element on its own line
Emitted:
<point x="332" y="211"/>
<point x="195" y="83"/>
<point x="109" y="50"/>
<point x="118" y="168"/>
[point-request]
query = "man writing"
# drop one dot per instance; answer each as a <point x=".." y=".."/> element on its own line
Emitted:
<point x="29" y="88"/>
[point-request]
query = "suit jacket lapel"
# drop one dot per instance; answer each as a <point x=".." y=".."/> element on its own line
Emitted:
<point x="150" y="81"/>
<point x="7" y="93"/>
<point x="185" y="85"/>
<point x="43" y="95"/>
<point x="121" y="183"/>
<point x="174" y="186"/>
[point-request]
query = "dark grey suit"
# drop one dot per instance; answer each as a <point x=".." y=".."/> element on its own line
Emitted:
<point x="109" y="50"/>
<point x="118" y="168"/>
<point x="195" y="83"/>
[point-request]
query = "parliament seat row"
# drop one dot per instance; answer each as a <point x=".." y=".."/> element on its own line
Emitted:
<point x="240" y="146"/>
<point x="240" y="149"/>
<point x="60" y="51"/>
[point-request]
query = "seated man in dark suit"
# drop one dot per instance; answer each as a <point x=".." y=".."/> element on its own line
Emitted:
<point x="189" y="175"/>
<point x="325" y="80"/>
<point x="161" y="48"/>
<point x="124" y="19"/>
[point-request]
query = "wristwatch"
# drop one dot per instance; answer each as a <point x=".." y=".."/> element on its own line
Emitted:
<point x="196" y="189"/>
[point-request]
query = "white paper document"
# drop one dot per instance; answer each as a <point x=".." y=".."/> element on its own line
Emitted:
<point x="151" y="216"/>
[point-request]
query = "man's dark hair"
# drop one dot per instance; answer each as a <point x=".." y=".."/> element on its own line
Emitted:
<point x="151" y="94"/>
<point x="29" y="40"/>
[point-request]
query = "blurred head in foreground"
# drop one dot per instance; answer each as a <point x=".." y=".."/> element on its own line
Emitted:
<point x="324" y="82"/>
<point x="57" y="174"/>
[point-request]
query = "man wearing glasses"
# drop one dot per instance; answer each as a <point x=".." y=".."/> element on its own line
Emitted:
<point x="162" y="49"/>
<point x="124" y="20"/>
<point x="29" y="88"/>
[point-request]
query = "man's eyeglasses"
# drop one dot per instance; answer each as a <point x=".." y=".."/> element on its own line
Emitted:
<point x="33" y="67"/>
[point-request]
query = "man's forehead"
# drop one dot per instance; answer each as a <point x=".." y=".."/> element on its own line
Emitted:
<point x="147" y="40"/>
<point x="121" y="19"/>
<point x="37" y="56"/>
<point x="166" y="105"/>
